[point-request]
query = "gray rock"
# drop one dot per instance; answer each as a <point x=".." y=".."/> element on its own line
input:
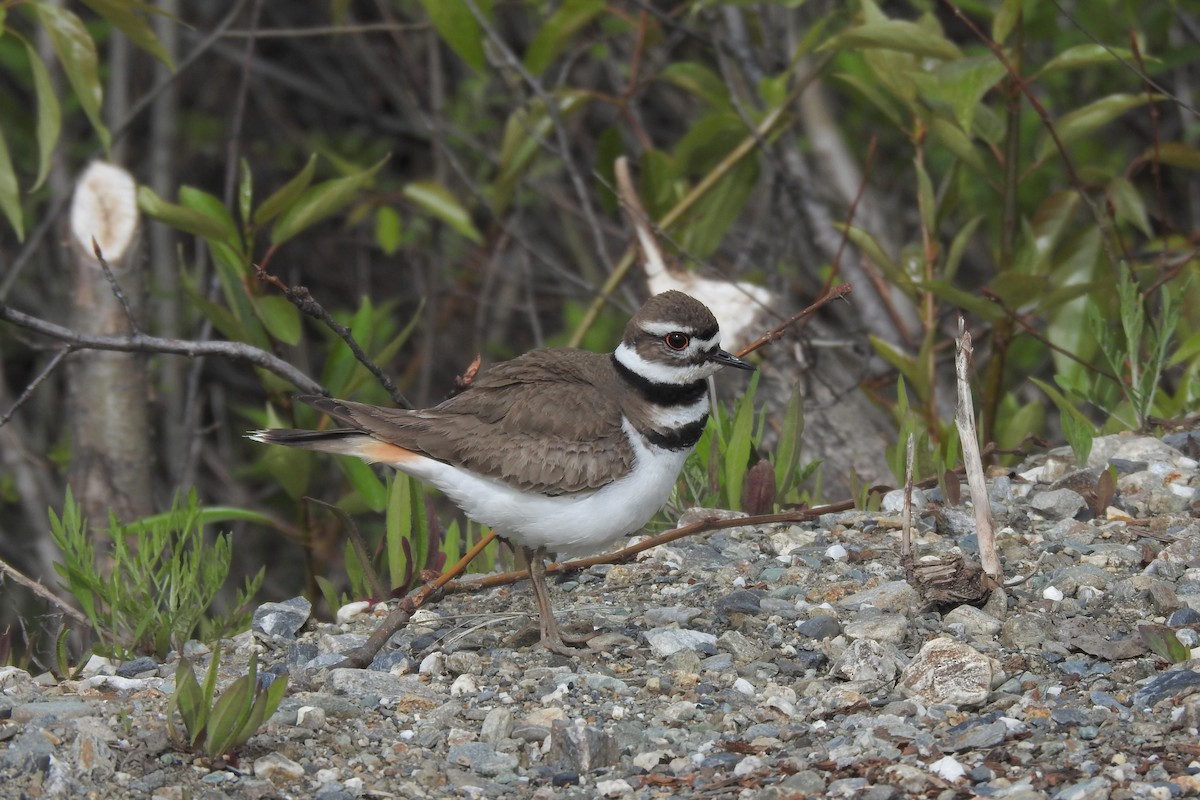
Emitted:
<point x="1085" y="790"/>
<point x="52" y="710"/>
<point x="946" y="671"/>
<point x="892" y="596"/>
<point x="822" y="626"/>
<point x="974" y="734"/>
<point x="481" y="759"/>
<point x="278" y="769"/>
<point x="741" y="601"/>
<point x="975" y="622"/>
<point x="667" y="641"/>
<point x="360" y="683"/>
<point x="888" y="628"/>
<point x="137" y="666"/>
<point x="1184" y="616"/>
<point x="869" y="664"/>
<point x="1058" y="503"/>
<point x="1027" y="631"/>
<point x="497" y="726"/>
<point x="282" y="619"/>
<point x="1173" y="684"/>
<point x="581" y="748"/>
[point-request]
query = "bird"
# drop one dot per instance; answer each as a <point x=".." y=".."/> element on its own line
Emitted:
<point x="560" y="450"/>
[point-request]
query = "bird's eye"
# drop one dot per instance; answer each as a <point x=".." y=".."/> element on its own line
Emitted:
<point x="677" y="340"/>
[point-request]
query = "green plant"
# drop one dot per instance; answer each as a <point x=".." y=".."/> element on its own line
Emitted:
<point x="156" y="579"/>
<point x="1163" y="642"/>
<point x="715" y="475"/>
<point x="215" y="729"/>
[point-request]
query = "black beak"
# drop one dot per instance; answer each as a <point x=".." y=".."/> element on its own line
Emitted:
<point x="729" y="359"/>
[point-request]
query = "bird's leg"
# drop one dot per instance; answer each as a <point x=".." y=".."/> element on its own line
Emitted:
<point x="552" y="638"/>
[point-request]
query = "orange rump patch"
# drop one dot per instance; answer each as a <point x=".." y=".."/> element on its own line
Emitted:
<point x="378" y="452"/>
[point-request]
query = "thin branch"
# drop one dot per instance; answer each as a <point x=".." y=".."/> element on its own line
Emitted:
<point x="36" y="382"/>
<point x="41" y="591"/>
<point x="116" y="287"/>
<point x="839" y="291"/>
<point x="141" y="343"/>
<point x="324" y="30"/>
<point x="300" y="297"/>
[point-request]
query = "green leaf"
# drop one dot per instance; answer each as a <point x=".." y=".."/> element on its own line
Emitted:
<point x="436" y="200"/>
<point x="971" y="303"/>
<point x="208" y="690"/>
<point x="1087" y="120"/>
<point x="120" y="13"/>
<point x="1163" y="642"/>
<point x="1087" y="55"/>
<point x="1175" y="154"/>
<point x="737" y="453"/>
<point x="389" y="231"/>
<point x="227" y="716"/>
<point x="280" y="318"/>
<point x="869" y="91"/>
<point x="285" y="195"/>
<point x="958" y="143"/>
<point x="49" y="114"/>
<point x="1128" y="205"/>
<point x="77" y="53"/>
<point x="963" y="83"/>
<point x="895" y="34"/>
<point x="189" y="700"/>
<point x="524" y="131"/>
<point x="210" y="206"/>
<point x="366" y="483"/>
<point x="864" y="241"/>
<point x="1007" y="15"/>
<point x="958" y="246"/>
<point x="1077" y="428"/>
<point x="700" y="81"/>
<point x="557" y="31"/>
<point x="179" y="217"/>
<point x="323" y="200"/>
<point x="459" y="29"/>
<point x="926" y="204"/>
<point x="245" y="191"/>
<point x="10" y="193"/>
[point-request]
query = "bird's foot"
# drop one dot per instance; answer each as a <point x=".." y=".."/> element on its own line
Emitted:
<point x="565" y="644"/>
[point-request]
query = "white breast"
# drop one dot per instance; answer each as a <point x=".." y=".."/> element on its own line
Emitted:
<point x="569" y="525"/>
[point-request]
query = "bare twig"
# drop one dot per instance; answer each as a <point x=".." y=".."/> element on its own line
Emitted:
<point x="41" y="591"/>
<point x="839" y="291"/>
<point x="302" y="299"/>
<point x="906" y="523"/>
<point x="141" y="343"/>
<point x="115" y="287"/>
<point x="968" y="441"/>
<point x="36" y="382"/>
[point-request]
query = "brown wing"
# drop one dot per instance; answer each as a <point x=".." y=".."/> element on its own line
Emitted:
<point x="539" y="422"/>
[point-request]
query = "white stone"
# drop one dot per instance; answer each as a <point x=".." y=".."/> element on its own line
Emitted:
<point x="1052" y="593"/>
<point x="464" y="684"/>
<point x="351" y="610"/>
<point x="837" y="552"/>
<point x="614" y="788"/>
<point x="948" y="768"/>
<point x="744" y="686"/>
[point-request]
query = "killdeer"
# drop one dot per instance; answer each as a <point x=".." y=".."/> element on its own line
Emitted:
<point x="560" y="450"/>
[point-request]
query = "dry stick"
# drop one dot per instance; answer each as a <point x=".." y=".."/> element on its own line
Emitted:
<point x="35" y="383"/>
<point x="360" y="657"/>
<point x="141" y="343"/>
<point x="42" y="592"/>
<point x="300" y="297"/>
<point x="964" y="419"/>
<point x="116" y="288"/>
<point x="839" y="291"/>
<point x="906" y="520"/>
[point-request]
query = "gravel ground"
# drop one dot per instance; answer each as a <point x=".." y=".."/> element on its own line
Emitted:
<point x="786" y="661"/>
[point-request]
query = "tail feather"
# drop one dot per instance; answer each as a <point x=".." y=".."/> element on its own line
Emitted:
<point x="345" y="442"/>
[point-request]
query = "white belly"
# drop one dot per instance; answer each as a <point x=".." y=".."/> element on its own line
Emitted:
<point x="568" y="525"/>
